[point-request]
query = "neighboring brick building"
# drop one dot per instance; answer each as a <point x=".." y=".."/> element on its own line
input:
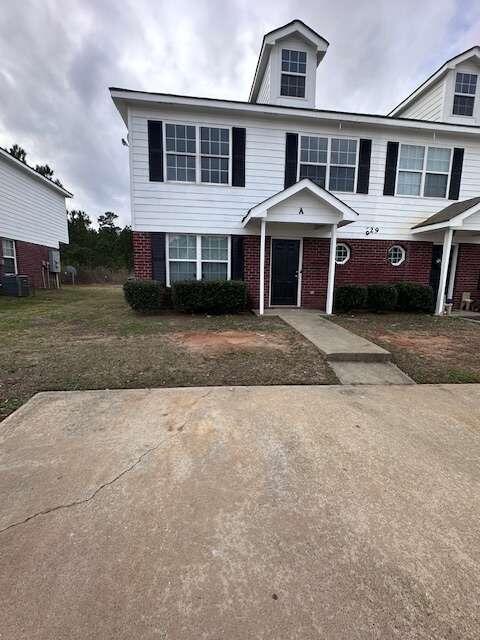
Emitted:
<point x="33" y="221"/>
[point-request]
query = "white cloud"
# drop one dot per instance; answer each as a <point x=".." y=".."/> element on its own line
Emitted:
<point x="58" y="58"/>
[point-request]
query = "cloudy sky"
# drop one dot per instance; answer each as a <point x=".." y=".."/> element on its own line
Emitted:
<point x="59" y="57"/>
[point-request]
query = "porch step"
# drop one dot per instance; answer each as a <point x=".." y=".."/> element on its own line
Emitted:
<point x="335" y="343"/>
<point x="369" y="373"/>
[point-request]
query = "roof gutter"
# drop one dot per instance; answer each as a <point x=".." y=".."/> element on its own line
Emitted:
<point x="122" y="97"/>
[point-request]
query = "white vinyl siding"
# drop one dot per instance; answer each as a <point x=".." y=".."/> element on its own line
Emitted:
<point x="219" y="209"/>
<point x="29" y="209"/>
<point x="428" y="106"/>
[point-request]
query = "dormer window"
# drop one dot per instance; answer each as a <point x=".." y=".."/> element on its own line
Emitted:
<point x="294" y="71"/>
<point x="464" y="98"/>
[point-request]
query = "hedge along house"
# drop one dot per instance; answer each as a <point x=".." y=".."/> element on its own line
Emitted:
<point x="294" y="199"/>
<point x="33" y="220"/>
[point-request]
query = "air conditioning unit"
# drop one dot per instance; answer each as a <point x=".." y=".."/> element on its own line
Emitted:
<point x="54" y="260"/>
<point x="18" y="286"/>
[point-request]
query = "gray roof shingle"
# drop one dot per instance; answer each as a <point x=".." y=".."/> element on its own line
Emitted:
<point x="448" y="213"/>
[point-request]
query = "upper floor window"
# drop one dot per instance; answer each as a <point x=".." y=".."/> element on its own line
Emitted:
<point x="215" y="154"/>
<point x="331" y="161"/>
<point x="294" y="71"/>
<point x="9" y="257"/>
<point x="181" y="146"/>
<point x="187" y="161"/>
<point x="464" y="98"/>
<point x="423" y="170"/>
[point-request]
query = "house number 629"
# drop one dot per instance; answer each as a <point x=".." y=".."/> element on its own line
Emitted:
<point x="371" y="230"/>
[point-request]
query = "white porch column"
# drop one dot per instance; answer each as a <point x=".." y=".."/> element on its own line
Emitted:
<point x="447" y="245"/>
<point x="331" y="269"/>
<point x="453" y="271"/>
<point x="262" y="266"/>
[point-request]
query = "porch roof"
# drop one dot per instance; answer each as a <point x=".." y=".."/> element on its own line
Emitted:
<point x="451" y="217"/>
<point x="328" y="205"/>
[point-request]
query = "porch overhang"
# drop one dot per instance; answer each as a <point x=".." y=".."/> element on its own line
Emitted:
<point x="463" y="215"/>
<point x="304" y="202"/>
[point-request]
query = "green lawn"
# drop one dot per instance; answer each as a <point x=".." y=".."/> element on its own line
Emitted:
<point x="88" y="338"/>
<point x="430" y="349"/>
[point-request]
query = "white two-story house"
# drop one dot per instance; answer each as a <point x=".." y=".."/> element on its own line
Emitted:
<point x="294" y="199"/>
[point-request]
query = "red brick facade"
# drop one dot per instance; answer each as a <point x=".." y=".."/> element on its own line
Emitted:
<point x="30" y="260"/>
<point x="467" y="274"/>
<point x="142" y="255"/>
<point x="368" y="264"/>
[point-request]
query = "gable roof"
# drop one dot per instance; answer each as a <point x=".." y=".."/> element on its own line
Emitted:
<point x="450" y="214"/>
<point x="473" y="52"/>
<point x="306" y="184"/>
<point x="269" y="39"/>
<point x="33" y="173"/>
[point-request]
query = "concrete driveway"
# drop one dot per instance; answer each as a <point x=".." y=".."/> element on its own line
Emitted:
<point x="276" y="513"/>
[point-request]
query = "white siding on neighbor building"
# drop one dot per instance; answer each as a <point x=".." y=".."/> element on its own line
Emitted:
<point x="264" y="92"/>
<point x="200" y="208"/>
<point x="429" y="106"/>
<point x="29" y="209"/>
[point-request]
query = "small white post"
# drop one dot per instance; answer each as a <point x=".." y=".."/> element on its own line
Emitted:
<point x="447" y="245"/>
<point x="331" y="269"/>
<point x="453" y="271"/>
<point x="262" y="266"/>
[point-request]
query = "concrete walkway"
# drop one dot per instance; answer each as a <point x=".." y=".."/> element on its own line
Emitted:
<point x="290" y="513"/>
<point x="354" y="359"/>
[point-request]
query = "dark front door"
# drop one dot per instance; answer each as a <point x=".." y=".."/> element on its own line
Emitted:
<point x="285" y="255"/>
<point x="437" y="253"/>
<point x="436" y="265"/>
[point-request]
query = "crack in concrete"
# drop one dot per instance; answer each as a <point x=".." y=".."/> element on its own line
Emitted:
<point x="131" y="467"/>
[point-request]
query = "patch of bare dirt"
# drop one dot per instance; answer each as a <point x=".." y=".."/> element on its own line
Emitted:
<point x="232" y="340"/>
<point x="427" y="345"/>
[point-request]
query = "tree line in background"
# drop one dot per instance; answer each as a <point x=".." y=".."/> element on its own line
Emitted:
<point x="43" y="169"/>
<point x="109" y="246"/>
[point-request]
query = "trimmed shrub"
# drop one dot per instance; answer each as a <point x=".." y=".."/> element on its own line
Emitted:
<point x="414" y="297"/>
<point x="381" y="297"/>
<point x="349" y="297"/>
<point x="210" y="296"/>
<point x="147" y="296"/>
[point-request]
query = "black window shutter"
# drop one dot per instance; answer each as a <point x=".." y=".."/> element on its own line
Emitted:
<point x="155" y="150"/>
<point x="363" y="176"/>
<point x="456" y="175"/>
<point x="237" y="258"/>
<point x="390" y="169"/>
<point x="239" y="135"/>
<point x="291" y="159"/>
<point x="158" y="257"/>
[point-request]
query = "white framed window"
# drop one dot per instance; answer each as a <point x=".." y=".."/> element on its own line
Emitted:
<point x="197" y="154"/>
<point x="331" y="161"/>
<point x="396" y="255"/>
<point x="464" y="96"/>
<point x="181" y="148"/>
<point x="294" y="72"/>
<point x="214" y="155"/>
<point x="9" y="257"/>
<point x="423" y="171"/>
<point x="197" y="257"/>
<point x="342" y="253"/>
